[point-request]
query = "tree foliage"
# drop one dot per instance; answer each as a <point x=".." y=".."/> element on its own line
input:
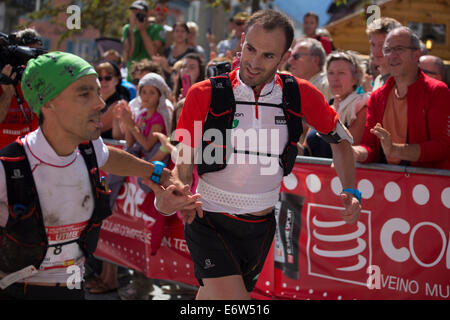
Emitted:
<point x="106" y="16"/>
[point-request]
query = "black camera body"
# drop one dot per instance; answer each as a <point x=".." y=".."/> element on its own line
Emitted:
<point x="218" y="69"/>
<point x="16" y="56"/>
<point x="140" y="16"/>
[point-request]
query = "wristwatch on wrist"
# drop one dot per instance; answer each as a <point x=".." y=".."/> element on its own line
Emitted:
<point x="157" y="171"/>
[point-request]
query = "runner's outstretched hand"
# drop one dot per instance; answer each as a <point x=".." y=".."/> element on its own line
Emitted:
<point x="352" y="208"/>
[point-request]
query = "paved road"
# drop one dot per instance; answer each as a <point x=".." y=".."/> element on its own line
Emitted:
<point x="161" y="290"/>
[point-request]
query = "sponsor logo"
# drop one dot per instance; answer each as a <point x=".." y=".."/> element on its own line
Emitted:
<point x="280" y="120"/>
<point x="208" y="264"/>
<point x="17" y="174"/>
<point x="346" y="248"/>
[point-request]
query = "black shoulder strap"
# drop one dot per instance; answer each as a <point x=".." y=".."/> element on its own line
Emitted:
<point x="293" y="106"/>
<point x="88" y="152"/>
<point x="291" y="93"/>
<point x="292" y="112"/>
<point x="19" y="178"/>
<point x="222" y="97"/>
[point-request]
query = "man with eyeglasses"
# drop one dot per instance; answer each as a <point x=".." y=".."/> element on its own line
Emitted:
<point x="407" y="118"/>
<point x="433" y="67"/>
<point x="306" y="62"/>
<point x="16" y="117"/>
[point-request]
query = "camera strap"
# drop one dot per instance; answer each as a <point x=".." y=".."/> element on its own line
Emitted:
<point x="20" y="103"/>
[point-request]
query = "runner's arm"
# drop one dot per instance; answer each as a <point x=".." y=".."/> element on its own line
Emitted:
<point x="345" y="169"/>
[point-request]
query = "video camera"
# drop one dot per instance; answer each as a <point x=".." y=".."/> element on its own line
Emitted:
<point x="218" y="69"/>
<point x="16" y="56"/>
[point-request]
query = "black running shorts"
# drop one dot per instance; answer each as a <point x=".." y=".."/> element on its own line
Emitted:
<point x="222" y="245"/>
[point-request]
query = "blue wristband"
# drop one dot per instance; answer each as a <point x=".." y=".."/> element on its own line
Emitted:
<point x="156" y="175"/>
<point x="354" y="192"/>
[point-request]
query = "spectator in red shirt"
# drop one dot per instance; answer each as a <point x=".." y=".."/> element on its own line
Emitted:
<point x="16" y="117"/>
<point x="407" y="118"/>
<point x="310" y="24"/>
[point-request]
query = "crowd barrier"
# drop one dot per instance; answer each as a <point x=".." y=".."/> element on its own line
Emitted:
<point x="399" y="248"/>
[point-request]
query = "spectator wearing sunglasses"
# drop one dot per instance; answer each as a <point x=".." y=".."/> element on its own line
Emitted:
<point x="111" y="92"/>
<point x="160" y="13"/>
<point x="229" y="47"/>
<point x="433" y="67"/>
<point x="114" y="55"/>
<point x="407" y="118"/>
<point x="307" y="61"/>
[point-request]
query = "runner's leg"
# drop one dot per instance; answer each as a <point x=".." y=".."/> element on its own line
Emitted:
<point x="223" y="288"/>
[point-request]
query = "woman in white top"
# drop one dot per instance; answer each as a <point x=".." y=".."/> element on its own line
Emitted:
<point x="344" y="74"/>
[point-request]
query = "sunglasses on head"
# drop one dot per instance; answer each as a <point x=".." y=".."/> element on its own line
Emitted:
<point x="106" y="78"/>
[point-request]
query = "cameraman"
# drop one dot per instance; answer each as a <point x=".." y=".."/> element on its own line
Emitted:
<point x="16" y="117"/>
<point x="141" y="39"/>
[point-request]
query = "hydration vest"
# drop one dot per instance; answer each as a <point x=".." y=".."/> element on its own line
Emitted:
<point x="221" y="115"/>
<point x="23" y="241"/>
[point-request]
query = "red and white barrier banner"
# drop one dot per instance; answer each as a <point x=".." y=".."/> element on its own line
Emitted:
<point x="126" y="238"/>
<point x="399" y="248"/>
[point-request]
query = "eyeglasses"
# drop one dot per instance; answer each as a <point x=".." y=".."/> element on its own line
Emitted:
<point x="398" y="50"/>
<point x="429" y="72"/>
<point x="106" y="78"/>
<point x="296" y="56"/>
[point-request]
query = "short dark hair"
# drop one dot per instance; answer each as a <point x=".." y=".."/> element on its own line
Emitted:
<point x="270" y="20"/>
<point x="182" y="24"/>
<point x="312" y="14"/>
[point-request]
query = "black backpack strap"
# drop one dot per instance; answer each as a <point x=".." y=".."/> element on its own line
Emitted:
<point x="88" y="152"/>
<point x="292" y="111"/>
<point x="90" y="235"/>
<point x="25" y="226"/>
<point x="222" y="97"/>
<point x="220" y="117"/>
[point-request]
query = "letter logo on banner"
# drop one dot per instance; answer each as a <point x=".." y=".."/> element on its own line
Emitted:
<point x="403" y="254"/>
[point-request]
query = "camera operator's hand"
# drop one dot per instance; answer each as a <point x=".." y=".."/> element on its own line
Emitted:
<point x="141" y="26"/>
<point x="7" y="71"/>
<point x="7" y="92"/>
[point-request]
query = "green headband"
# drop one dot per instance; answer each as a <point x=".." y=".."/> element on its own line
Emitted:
<point x="49" y="74"/>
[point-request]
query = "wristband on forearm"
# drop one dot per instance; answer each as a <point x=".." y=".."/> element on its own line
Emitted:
<point x="157" y="171"/>
<point x="354" y="192"/>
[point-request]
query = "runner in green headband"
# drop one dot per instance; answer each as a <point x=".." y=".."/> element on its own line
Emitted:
<point x="49" y="74"/>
